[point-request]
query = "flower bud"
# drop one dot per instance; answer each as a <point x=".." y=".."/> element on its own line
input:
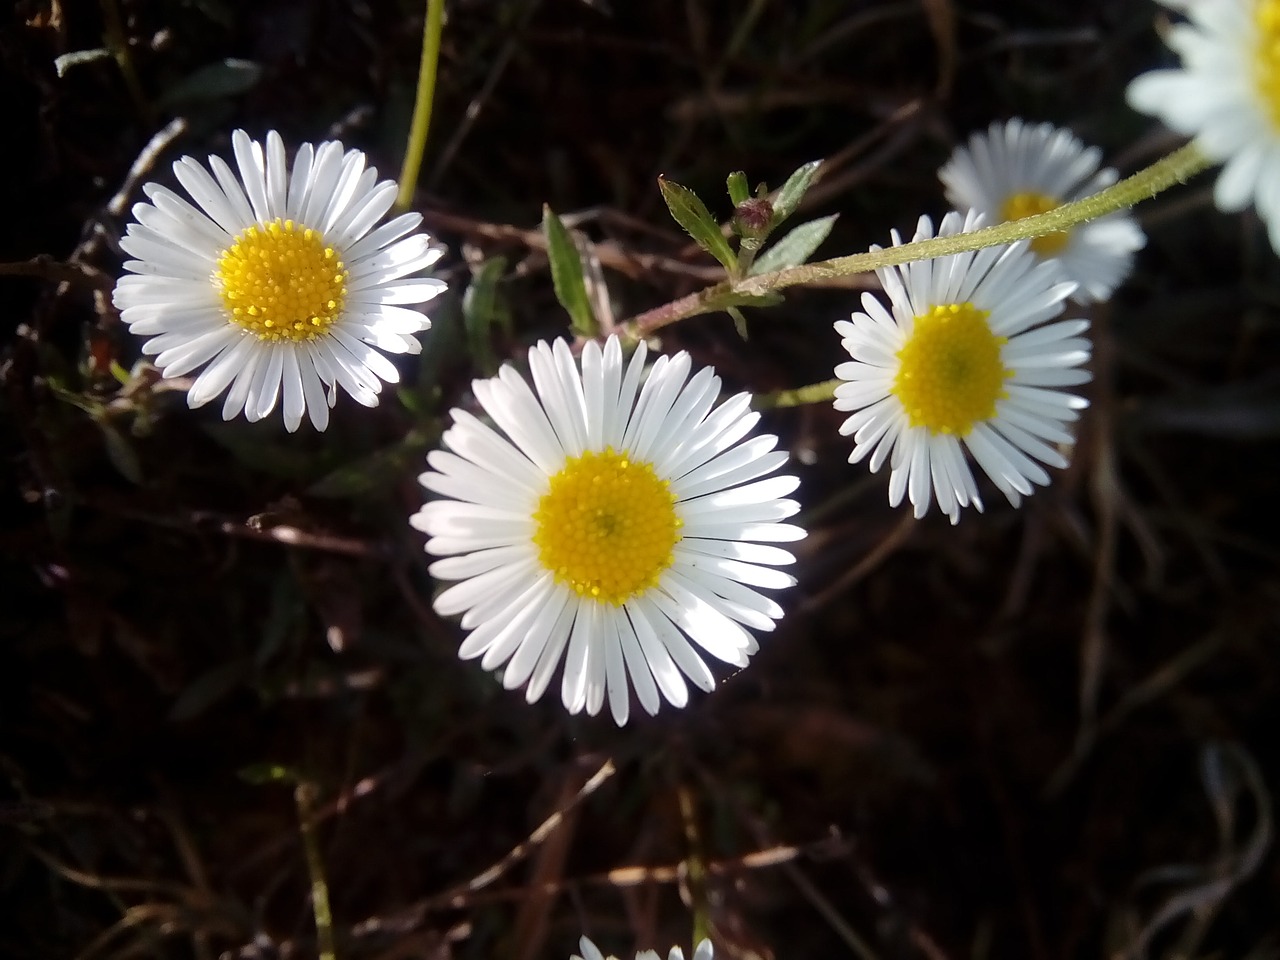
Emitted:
<point x="752" y="218"/>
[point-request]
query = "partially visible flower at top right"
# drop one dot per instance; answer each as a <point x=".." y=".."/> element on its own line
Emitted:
<point x="1227" y="96"/>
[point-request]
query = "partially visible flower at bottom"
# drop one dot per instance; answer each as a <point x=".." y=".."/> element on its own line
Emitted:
<point x="276" y="281"/>
<point x="612" y="524"/>
<point x="590" y="951"/>
<point x="963" y="360"/>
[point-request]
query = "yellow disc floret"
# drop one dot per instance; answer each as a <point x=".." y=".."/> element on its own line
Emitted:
<point x="1019" y="205"/>
<point x="607" y="526"/>
<point x="279" y="281"/>
<point x="1267" y="60"/>
<point x="949" y="371"/>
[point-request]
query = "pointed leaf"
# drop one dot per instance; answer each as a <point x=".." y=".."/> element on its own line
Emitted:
<point x="482" y="309"/>
<point x="208" y="689"/>
<point x="121" y="453"/>
<point x="692" y="214"/>
<point x="566" y="274"/>
<point x="227" y="78"/>
<point x="796" y="247"/>
<point x="793" y="191"/>
<point x="267" y="772"/>
<point x="375" y="473"/>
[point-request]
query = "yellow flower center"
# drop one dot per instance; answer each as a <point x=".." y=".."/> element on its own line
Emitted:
<point x="1019" y="205"/>
<point x="280" y="282"/>
<point x="1267" y="65"/>
<point x="949" y="371"/>
<point x="607" y="526"/>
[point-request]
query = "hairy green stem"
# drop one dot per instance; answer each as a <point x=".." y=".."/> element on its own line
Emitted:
<point x="422" y="102"/>
<point x="813" y="393"/>
<point x="1177" y="167"/>
<point x="304" y="795"/>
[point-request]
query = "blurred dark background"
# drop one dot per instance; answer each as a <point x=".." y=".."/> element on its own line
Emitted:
<point x="1045" y="733"/>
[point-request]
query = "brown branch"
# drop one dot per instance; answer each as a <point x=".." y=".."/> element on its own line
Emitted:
<point x="44" y="267"/>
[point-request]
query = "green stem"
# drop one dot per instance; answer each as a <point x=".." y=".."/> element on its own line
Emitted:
<point x="425" y="96"/>
<point x="813" y="393"/>
<point x="304" y="795"/>
<point x="695" y="865"/>
<point x="1177" y="167"/>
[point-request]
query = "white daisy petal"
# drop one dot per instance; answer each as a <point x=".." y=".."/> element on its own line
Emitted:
<point x="590" y="951"/>
<point x="557" y="638"/>
<point x="554" y="609"/>
<point x="219" y="262"/>
<point x="637" y="663"/>
<point x="574" y="544"/>
<point x="1226" y="95"/>
<point x="979" y="374"/>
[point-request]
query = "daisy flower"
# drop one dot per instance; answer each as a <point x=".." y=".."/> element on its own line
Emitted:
<point x="962" y="360"/>
<point x="590" y="951"/>
<point x="276" y="281"/>
<point x="606" y="529"/>
<point x="1227" y="96"/>
<point x="1014" y="170"/>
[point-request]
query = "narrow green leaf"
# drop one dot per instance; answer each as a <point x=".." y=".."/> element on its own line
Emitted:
<point x="376" y="473"/>
<point x="692" y="214"/>
<point x="566" y="274"/>
<point x="739" y="321"/>
<point x="208" y="689"/>
<point x="482" y="310"/>
<point x="226" y="78"/>
<point x="266" y="772"/>
<point x="796" y="247"/>
<point x="738" y="189"/>
<point x="793" y="191"/>
<point x="254" y="449"/>
<point x="121" y="453"/>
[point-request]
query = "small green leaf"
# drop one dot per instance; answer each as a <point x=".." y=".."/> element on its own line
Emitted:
<point x="121" y="453"/>
<point x="68" y="60"/>
<point x="266" y="772"/>
<point x="692" y="214"/>
<point x="796" y="247"/>
<point x="224" y="79"/>
<point x="793" y="191"/>
<point x="482" y="309"/>
<point x="738" y="189"/>
<point x="283" y="615"/>
<point x="377" y="471"/>
<point x="739" y="321"/>
<point x="253" y="448"/>
<point x="208" y="689"/>
<point x="448" y="348"/>
<point x="566" y="274"/>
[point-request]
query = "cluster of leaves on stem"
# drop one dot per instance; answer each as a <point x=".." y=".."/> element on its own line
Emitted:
<point x="755" y="218"/>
